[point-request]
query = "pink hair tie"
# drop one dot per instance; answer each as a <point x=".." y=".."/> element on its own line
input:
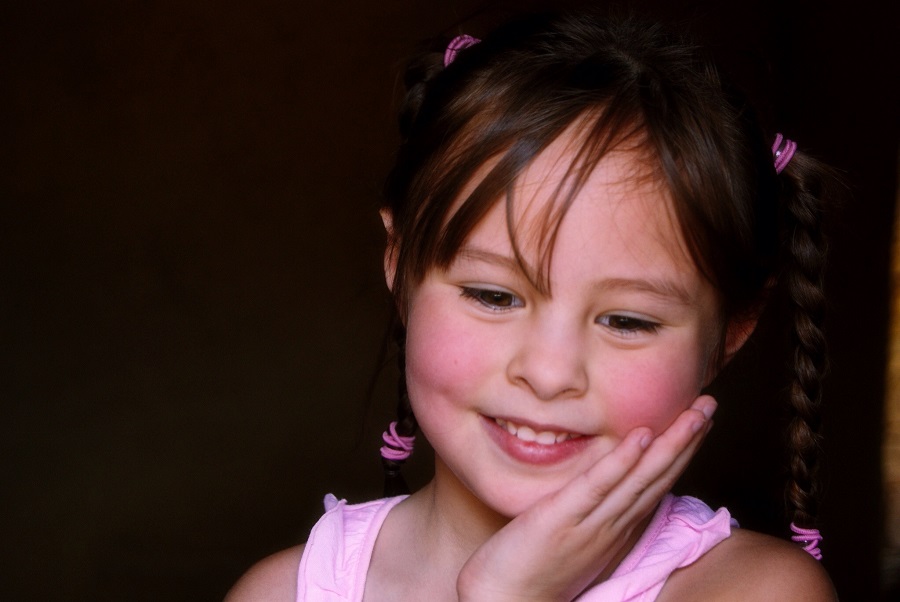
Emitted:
<point x="456" y="44"/>
<point x="810" y="537"/>
<point x="783" y="150"/>
<point x="397" y="447"/>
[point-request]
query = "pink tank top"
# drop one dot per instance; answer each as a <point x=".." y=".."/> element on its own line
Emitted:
<point x="337" y="554"/>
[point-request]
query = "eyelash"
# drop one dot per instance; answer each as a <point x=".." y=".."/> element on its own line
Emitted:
<point x="499" y="301"/>
<point x="494" y="300"/>
<point x="628" y="325"/>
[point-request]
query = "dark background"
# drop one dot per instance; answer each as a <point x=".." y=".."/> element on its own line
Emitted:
<point x="191" y="297"/>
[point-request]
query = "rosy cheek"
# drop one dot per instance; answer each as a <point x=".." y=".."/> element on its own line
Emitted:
<point x="654" y="396"/>
<point x="439" y="356"/>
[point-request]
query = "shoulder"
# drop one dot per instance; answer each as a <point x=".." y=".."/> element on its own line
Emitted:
<point x="758" y="566"/>
<point x="273" y="578"/>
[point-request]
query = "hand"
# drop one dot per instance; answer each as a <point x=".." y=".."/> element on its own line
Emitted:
<point x="559" y="546"/>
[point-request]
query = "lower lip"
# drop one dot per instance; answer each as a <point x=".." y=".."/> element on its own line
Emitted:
<point x="531" y="452"/>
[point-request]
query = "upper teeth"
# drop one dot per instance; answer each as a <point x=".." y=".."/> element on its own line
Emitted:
<point x="526" y="433"/>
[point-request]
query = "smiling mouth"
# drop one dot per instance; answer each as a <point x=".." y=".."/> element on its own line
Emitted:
<point x="526" y="433"/>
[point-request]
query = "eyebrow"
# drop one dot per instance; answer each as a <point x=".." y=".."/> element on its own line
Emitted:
<point x="475" y="254"/>
<point x="659" y="287"/>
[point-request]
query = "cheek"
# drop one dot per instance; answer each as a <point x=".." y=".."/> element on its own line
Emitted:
<point x="440" y="360"/>
<point x="654" y="391"/>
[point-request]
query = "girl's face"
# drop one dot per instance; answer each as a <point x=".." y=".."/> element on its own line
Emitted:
<point x="518" y="391"/>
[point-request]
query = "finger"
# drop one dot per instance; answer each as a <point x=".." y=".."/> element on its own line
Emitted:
<point x="681" y="436"/>
<point x="662" y="464"/>
<point x="664" y="460"/>
<point x="581" y="496"/>
<point x="603" y="491"/>
<point x="665" y="480"/>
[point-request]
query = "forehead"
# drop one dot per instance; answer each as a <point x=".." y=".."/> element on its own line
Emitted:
<point x="561" y="196"/>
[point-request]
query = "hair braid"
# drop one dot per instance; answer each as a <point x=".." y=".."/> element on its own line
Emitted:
<point x="394" y="483"/>
<point x="804" y="276"/>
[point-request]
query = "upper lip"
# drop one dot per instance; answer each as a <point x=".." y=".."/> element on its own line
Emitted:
<point x="536" y="426"/>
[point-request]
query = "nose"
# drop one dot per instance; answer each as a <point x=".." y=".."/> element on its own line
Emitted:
<point x="550" y="360"/>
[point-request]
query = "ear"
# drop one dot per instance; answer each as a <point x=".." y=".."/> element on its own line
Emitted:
<point x="390" y="249"/>
<point x="736" y="334"/>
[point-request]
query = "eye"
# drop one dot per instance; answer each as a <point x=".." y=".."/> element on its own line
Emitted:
<point x="492" y="299"/>
<point x="628" y="324"/>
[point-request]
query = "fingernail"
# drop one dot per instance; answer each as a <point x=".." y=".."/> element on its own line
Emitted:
<point x="709" y="408"/>
<point x="696" y="426"/>
<point x="645" y="441"/>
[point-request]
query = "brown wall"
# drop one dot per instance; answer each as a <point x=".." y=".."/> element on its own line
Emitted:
<point x="191" y="301"/>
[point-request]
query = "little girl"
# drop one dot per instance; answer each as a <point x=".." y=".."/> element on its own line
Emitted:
<point x="583" y="227"/>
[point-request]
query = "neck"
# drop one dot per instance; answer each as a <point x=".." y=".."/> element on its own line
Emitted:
<point x="454" y="520"/>
<point x="436" y="530"/>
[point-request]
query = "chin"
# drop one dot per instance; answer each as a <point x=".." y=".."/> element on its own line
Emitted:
<point x="515" y="500"/>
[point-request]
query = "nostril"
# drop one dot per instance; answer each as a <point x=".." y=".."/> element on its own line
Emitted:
<point x="550" y="360"/>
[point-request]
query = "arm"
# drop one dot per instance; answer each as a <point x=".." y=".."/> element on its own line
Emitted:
<point x="273" y="578"/>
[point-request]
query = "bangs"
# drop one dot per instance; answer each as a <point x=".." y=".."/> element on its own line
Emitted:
<point x="481" y="167"/>
<point x="484" y="119"/>
<point x="590" y="139"/>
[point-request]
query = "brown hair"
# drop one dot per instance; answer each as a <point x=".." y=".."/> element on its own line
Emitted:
<point x="623" y="83"/>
